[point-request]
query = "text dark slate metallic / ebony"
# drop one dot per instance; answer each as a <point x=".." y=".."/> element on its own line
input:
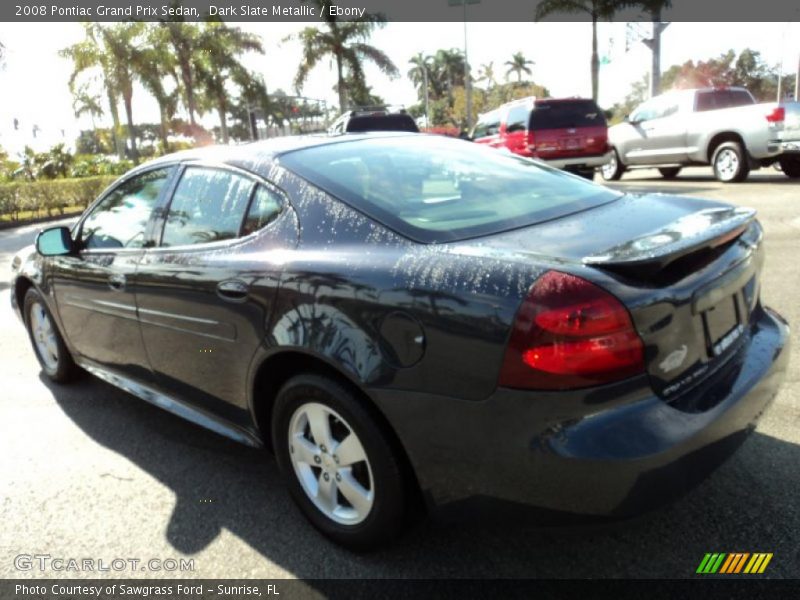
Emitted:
<point x="412" y="321"/>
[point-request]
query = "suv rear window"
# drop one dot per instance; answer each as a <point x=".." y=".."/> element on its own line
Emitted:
<point x="718" y="99"/>
<point x="566" y="114"/>
<point x="434" y="189"/>
<point x="381" y="123"/>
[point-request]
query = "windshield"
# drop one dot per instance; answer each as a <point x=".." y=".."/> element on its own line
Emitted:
<point x="436" y="189"/>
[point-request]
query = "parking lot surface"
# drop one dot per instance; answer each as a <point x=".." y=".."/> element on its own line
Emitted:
<point x="89" y="471"/>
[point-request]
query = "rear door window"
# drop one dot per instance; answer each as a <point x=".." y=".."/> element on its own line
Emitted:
<point x="566" y="115"/>
<point x="208" y="206"/>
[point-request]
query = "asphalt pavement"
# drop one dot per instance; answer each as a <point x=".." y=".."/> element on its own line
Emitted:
<point x="88" y="471"/>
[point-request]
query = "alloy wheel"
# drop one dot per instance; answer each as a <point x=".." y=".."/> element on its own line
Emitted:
<point x="44" y="336"/>
<point x="330" y="463"/>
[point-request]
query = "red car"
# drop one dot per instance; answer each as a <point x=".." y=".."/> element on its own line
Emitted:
<point x="567" y="133"/>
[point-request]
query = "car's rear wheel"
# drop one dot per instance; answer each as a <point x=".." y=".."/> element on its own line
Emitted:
<point x="669" y="172"/>
<point x="730" y="162"/>
<point x="613" y="169"/>
<point x="48" y="345"/>
<point x="340" y="467"/>
<point x="790" y="166"/>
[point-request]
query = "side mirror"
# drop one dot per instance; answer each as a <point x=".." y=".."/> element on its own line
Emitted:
<point x="55" y="241"/>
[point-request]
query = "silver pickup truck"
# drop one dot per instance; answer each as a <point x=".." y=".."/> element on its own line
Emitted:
<point x="721" y="127"/>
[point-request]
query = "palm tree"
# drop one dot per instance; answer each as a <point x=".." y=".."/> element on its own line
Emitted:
<point x="153" y="63"/>
<point x="519" y="65"/>
<point x="420" y="74"/>
<point x="219" y="64"/>
<point x="120" y="41"/>
<point x="346" y="43"/>
<point x="486" y="73"/>
<point x="596" y="9"/>
<point x="84" y="102"/>
<point x="449" y="70"/>
<point x="185" y="41"/>
<point x="88" y="55"/>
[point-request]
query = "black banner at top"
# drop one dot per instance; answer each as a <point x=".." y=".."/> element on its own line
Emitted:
<point x="391" y="10"/>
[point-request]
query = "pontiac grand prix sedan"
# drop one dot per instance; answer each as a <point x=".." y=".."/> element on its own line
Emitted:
<point x="409" y="321"/>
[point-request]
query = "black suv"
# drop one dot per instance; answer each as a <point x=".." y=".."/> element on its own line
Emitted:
<point x="373" y="119"/>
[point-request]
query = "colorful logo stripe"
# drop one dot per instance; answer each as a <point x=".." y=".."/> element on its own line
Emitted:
<point x="733" y="563"/>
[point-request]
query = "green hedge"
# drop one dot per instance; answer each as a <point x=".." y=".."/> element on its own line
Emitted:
<point x="50" y="197"/>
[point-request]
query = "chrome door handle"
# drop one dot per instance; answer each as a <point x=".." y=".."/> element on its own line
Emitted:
<point x="117" y="282"/>
<point x="233" y="290"/>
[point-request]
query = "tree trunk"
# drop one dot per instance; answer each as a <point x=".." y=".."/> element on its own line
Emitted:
<point x="223" y="119"/>
<point x="188" y="86"/>
<point x="163" y="130"/>
<point x="112" y="107"/>
<point x="595" y="60"/>
<point x="128" y="101"/>
<point x="340" y="74"/>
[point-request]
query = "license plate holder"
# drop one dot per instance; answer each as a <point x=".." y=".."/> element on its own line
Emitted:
<point x="573" y="143"/>
<point x="722" y="325"/>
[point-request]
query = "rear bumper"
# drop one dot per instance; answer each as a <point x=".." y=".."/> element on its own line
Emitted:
<point x="579" y="162"/>
<point x="611" y="451"/>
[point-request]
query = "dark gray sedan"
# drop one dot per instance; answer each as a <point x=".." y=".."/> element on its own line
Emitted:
<point x="412" y="322"/>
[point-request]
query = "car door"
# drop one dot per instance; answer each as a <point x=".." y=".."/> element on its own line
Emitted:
<point x="206" y="291"/>
<point x="95" y="288"/>
<point x="658" y="132"/>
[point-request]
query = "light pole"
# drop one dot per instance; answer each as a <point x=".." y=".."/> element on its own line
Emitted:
<point x="467" y="82"/>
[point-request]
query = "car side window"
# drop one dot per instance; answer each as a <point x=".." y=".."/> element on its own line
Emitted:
<point x="208" y="205"/>
<point x="517" y="119"/>
<point x="120" y="219"/>
<point x="264" y="208"/>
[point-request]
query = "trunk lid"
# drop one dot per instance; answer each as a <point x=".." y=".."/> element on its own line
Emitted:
<point x="686" y="269"/>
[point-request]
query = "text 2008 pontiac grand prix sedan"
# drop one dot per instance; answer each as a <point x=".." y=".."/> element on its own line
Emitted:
<point x="408" y="320"/>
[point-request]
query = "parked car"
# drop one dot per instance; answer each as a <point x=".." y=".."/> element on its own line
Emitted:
<point x="567" y="133"/>
<point x="373" y="119"/>
<point x="411" y="321"/>
<point x="721" y="127"/>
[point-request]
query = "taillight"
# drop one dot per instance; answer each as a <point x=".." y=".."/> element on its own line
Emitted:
<point x="569" y="333"/>
<point x="777" y="115"/>
<point x="531" y="140"/>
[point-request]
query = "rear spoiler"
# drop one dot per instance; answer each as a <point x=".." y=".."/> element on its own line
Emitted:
<point x="654" y="251"/>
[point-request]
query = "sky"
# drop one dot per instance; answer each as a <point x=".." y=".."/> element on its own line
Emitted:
<point x="33" y="81"/>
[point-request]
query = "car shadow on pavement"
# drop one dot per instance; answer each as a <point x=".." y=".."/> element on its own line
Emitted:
<point x="748" y="505"/>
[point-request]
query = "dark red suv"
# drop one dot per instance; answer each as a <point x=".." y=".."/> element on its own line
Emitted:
<point x="567" y="133"/>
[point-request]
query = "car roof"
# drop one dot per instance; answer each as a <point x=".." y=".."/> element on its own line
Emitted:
<point x="257" y="157"/>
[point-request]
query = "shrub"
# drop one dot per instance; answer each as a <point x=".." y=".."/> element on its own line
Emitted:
<point x="50" y="197"/>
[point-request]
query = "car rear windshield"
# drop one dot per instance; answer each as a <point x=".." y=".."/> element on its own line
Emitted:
<point x="563" y="114"/>
<point x="718" y="99"/>
<point x="436" y="189"/>
<point x="381" y="123"/>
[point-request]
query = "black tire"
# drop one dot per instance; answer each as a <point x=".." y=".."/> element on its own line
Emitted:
<point x="790" y="166"/>
<point x="64" y="369"/>
<point x="614" y="169"/>
<point x="730" y="162"/>
<point x="669" y="172"/>
<point x="391" y="498"/>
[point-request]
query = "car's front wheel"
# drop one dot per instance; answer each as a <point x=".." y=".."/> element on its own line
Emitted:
<point x="48" y="345"/>
<point x="613" y="169"/>
<point x="339" y="465"/>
